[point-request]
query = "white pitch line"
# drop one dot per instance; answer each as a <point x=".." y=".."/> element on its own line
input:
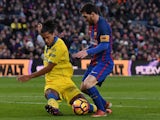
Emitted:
<point x="21" y="96"/>
<point x="133" y="98"/>
<point x="14" y="102"/>
<point x="130" y="98"/>
<point x="43" y="103"/>
<point x="120" y="98"/>
<point x="125" y="106"/>
<point x="149" y="114"/>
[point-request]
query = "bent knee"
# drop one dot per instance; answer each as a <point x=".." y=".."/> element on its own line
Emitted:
<point x="51" y="91"/>
<point x="86" y="85"/>
<point x="89" y="82"/>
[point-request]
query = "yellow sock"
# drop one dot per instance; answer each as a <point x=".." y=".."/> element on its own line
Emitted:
<point x="94" y="107"/>
<point x="52" y="102"/>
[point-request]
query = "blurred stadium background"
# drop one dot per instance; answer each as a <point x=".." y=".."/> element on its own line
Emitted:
<point x="135" y="25"/>
<point x="136" y="53"/>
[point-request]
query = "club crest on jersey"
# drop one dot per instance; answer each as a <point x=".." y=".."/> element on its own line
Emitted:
<point x="52" y="55"/>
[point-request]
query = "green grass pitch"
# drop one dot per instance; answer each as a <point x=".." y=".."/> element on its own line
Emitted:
<point x="133" y="98"/>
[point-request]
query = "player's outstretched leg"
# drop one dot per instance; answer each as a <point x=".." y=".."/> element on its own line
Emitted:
<point x="53" y="111"/>
<point x="106" y="104"/>
<point x="108" y="107"/>
<point x="52" y="107"/>
<point x="96" y="97"/>
<point x="92" y="108"/>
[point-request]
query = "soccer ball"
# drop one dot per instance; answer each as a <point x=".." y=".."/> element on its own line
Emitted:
<point x="80" y="106"/>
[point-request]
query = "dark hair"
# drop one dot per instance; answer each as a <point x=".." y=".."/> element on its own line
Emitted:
<point x="48" y="26"/>
<point x="89" y="8"/>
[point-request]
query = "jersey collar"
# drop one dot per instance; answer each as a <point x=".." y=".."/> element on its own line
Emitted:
<point x="54" y="41"/>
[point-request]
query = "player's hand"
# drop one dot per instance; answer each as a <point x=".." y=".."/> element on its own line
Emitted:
<point x="80" y="54"/>
<point x="23" y="78"/>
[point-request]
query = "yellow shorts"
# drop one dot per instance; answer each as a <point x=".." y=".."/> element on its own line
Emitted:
<point x="64" y="86"/>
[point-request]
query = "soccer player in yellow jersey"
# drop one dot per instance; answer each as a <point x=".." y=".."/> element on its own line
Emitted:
<point x="57" y="70"/>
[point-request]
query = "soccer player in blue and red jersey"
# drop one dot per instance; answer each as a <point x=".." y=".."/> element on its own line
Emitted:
<point x="101" y="61"/>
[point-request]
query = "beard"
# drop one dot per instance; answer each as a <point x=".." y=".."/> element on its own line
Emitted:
<point x="91" y="22"/>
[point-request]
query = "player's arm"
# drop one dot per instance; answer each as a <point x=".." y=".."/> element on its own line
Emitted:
<point x="99" y="48"/>
<point x="104" y="39"/>
<point x="43" y="71"/>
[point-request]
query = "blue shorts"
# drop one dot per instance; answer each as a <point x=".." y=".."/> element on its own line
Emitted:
<point x="100" y="71"/>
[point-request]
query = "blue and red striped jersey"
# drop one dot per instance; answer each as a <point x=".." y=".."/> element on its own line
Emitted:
<point x="101" y="42"/>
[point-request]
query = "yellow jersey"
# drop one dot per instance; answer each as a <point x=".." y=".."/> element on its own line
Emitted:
<point x="58" y="54"/>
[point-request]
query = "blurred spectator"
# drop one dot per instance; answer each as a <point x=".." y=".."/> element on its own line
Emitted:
<point x="135" y="23"/>
<point x="75" y="45"/>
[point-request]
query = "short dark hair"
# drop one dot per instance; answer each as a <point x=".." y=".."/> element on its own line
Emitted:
<point x="48" y="26"/>
<point x="89" y="8"/>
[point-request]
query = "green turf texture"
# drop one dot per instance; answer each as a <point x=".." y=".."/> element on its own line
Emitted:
<point x="133" y="98"/>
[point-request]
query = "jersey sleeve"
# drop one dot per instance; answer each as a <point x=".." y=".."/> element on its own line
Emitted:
<point x="104" y="38"/>
<point x="105" y="31"/>
<point x="99" y="48"/>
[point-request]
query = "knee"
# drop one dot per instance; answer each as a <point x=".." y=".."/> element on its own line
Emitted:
<point x="47" y="92"/>
<point x="50" y="92"/>
<point x="89" y="82"/>
<point x="86" y="85"/>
